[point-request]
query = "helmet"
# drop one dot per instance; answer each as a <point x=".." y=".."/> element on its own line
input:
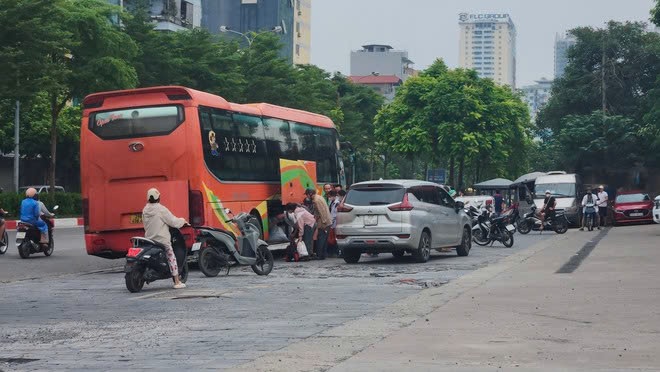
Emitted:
<point x="153" y="195"/>
<point x="548" y="192"/>
<point x="31" y="192"/>
<point x="601" y="187"/>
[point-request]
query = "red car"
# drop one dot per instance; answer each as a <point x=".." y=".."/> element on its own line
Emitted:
<point x="633" y="206"/>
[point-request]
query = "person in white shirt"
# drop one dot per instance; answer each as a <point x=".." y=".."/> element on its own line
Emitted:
<point x="157" y="220"/>
<point x="589" y="205"/>
<point x="603" y="199"/>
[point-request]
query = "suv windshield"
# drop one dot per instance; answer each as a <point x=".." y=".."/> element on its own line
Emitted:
<point x="559" y="190"/>
<point x="375" y="195"/>
<point x="632" y="198"/>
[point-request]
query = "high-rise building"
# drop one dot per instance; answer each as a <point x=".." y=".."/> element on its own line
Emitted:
<point x="245" y="16"/>
<point x="380" y="59"/>
<point x="562" y="44"/>
<point x="487" y="44"/>
<point x="537" y="95"/>
<point x="171" y="15"/>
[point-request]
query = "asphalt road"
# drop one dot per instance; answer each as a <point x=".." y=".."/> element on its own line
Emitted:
<point x="90" y="321"/>
<point x="69" y="257"/>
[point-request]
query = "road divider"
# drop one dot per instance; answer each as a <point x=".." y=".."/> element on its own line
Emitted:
<point x="59" y="222"/>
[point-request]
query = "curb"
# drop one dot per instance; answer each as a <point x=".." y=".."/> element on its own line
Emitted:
<point x="333" y="346"/>
<point x="59" y="222"/>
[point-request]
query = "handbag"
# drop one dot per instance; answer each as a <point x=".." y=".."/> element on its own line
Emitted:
<point x="302" y="249"/>
<point x="332" y="237"/>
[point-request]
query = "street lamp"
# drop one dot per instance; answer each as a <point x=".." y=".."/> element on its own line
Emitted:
<point x="276" y="30"/>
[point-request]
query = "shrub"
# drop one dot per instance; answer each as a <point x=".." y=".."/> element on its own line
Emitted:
<point x="70" y="203"/>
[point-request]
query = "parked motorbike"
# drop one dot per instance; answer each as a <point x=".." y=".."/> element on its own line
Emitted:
<point x="532" y="222"/>
<point x="146" y="261"/>
<point x="220" y="249"/>
<point x="28" y="237"/>
<point x="4" y="239"/>
<point x="489" y="230"/>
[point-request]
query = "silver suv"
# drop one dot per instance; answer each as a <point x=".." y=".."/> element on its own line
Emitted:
<point x="400" y="216"/>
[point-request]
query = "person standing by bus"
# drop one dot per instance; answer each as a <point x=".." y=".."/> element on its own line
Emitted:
<point x="323" y="222"/>
<point x="157" y="220"/>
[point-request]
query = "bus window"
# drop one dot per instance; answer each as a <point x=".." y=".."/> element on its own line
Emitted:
<point x="136" y="122"/>
<point x="251" y="147"/>
<point x="234" y="148"/>
<point x="303" y="136"/>
<point x="279" y="145"/>
<point x="326" y="155"/>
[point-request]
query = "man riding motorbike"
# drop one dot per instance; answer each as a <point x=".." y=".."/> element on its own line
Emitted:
<point x="157" y="219"/>
<point x="589" y="200"/>
<point x="31" y="213"/>
<point x="548" y="210"/>
<point x="2" y="227"/>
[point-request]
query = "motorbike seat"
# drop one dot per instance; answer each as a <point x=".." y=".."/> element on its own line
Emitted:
<point x="230" y="233"/>
<point x="26" y="224"/>
<point x="498" y="219"/>
<point x="139" y="240"/>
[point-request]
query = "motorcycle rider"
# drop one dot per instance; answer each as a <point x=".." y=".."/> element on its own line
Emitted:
<point x="157" y="219"/>
<point x="592" y="199"/>
<point x="31" y="213"/>
<point x="548" y="210"/>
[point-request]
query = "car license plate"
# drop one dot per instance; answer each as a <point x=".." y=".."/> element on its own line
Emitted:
<point x="136" y="218"/>
<point x="20" y="235"/>
<point x="196" y="247"/>
<point x="510" y="228"/>
<point x="636" y="214"/>
<point x="370" y="220"/>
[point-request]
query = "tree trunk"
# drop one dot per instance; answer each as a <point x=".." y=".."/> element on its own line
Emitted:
<point x="461" y="168"/>
<point x="53" y="140"/>
<point x="450" y="181"/>
<point x="385" y="166"/>
<point x="55" y="110"/>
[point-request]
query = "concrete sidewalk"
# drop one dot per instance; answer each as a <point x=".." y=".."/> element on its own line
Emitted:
<point x="516" y="314"/>
<point x="603" y="316"/>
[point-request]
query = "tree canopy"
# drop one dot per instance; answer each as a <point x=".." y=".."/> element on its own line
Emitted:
<point x="452" y="116"/>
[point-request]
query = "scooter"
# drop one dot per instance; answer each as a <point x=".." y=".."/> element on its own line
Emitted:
<point x="146" y="261"/>
<point x="220" y="249"/>
<point x="28" y="237"/>
<point x="531" y="221"/>
<point x="4" y="239"/>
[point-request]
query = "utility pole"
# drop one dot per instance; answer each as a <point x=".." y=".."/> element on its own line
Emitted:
<point x="17" y="155"/>
<point x="603" y="87"/>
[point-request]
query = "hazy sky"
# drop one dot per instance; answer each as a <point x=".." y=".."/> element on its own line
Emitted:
<point x="428" y="29"/>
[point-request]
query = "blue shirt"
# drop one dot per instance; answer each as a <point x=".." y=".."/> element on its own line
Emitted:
<point x="30" y="211"/>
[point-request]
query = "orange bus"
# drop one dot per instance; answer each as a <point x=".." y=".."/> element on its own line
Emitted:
<point x="203" y="153"/>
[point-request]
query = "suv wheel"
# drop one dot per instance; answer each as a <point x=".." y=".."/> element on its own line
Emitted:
<point x="466" y="243"/>
<point x="423" y="252"/>
<point x="351" y="256"/>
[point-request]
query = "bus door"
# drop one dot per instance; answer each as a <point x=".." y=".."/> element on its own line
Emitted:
<point x="295" y="177"/>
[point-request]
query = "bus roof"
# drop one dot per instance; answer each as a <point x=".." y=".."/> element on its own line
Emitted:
<point x="178" y="93"/>
<point x="286" y="113"/>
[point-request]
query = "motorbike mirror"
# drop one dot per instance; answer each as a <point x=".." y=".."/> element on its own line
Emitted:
<point x="56" y="207"/>
<point x="459" y="206"/>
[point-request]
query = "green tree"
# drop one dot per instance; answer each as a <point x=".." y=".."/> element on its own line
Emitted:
<point x="632" y="63"/>
<point x="655" y="13"/>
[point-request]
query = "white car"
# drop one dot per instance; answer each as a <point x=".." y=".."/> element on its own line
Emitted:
<point x="656" y="209"/>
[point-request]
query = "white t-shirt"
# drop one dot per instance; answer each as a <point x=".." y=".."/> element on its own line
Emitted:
<point x="585" y="199"/>
<point x="602" y="199"/>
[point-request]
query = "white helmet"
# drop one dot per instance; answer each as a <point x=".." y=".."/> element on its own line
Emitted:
<point x="153" y="195"/>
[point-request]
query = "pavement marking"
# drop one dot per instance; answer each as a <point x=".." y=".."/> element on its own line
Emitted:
<point x="574" y="262"/>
